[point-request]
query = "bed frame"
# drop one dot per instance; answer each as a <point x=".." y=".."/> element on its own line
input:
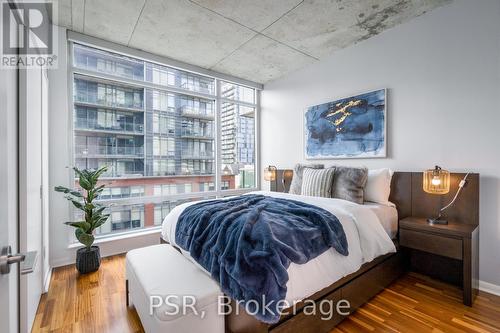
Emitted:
<point x="372" y="277"/>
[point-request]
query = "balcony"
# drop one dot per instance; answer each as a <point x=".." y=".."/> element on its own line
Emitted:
<point x="197" y="155"/>
<point x="192" y="112"/>
<point x="90" y="92"/>
<point x="197" y="87"/>
<point x="81" y="101"/>
<point x="106" y="62"/>
<point x="109" y="152"/>
<point x="123" y="174"/>
<point x="192" y="172"/>
<point x="190" y="134"/>
<point x="82" y="124"/>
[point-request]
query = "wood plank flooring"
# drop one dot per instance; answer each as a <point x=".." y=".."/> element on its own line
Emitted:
<point x="415" y="303"/>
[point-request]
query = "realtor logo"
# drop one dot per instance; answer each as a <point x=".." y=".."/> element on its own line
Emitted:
<point x="27" y="34"/>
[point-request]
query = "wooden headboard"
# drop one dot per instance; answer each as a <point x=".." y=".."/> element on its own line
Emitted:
<point x="411" y="200"/>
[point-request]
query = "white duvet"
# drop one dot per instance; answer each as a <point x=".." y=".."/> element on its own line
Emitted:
<point x="366" y="239"/>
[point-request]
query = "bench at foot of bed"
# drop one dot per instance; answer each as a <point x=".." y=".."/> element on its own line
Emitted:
<point x="170" y="293"/>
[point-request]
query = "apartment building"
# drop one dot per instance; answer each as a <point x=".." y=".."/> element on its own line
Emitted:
<point x="154" y="127"/>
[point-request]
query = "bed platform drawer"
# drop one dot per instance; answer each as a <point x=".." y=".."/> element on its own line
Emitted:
<point x="436" y="244"/>
<point x="312" y="323"/>
<point x="356" y="291"/>
<point x="365" y="286"/>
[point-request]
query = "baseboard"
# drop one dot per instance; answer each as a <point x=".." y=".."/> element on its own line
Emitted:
<point x="489" y="288"/>
<point x="62" y="262"/>
<point x="46" y="280"/>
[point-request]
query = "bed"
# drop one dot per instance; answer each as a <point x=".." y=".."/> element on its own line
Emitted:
<point x="388" y="217"/>
<point x="367" y="235"/>
<point x="371" y="277"/>
<point x="358" y="277"/>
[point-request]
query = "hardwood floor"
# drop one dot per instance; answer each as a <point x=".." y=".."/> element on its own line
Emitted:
<point x="415" y="303"/>
<point x="87" y="303"/>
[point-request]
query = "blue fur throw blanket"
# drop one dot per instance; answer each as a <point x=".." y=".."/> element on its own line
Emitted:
<point x="248" y="242"/>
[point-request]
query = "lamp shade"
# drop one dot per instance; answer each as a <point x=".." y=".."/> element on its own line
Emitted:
<point x="287" y="175"/>
<point x="436" y="181"/>
<point x="270" y="173"/>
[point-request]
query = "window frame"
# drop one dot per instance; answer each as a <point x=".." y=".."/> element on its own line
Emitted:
<point x="74" y="71"/>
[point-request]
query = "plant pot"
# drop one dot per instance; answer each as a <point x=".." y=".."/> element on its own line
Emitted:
<point x="88" y="260"/>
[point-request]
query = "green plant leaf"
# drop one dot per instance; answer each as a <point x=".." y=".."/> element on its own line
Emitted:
<point x="85" y="226"/>
<point x="98" y="190"/>
<point x="76" y="194"/>
<point x="100" y="222"/>
<point x="62" y="189"/>
<point x="77" y="204"/>
<point x="84" y="238"/>
<point x="77" y="171"/>
<point x="84" y="183"/>
<point x="103" y="217"/>
<point x="99" y="209"/>
<point x="99" y="172"/>
<point x="90" y="206"/>
<point x="94" y="212"/>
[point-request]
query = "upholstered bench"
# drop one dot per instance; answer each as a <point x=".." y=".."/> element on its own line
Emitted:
<point x="163" y="285"/>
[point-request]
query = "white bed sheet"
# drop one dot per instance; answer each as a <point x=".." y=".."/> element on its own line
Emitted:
<point x="365" y="235"/>
<point x="388" y="217"/>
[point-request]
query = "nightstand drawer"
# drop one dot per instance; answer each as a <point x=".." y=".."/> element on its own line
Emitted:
<point x="444" y="246"/>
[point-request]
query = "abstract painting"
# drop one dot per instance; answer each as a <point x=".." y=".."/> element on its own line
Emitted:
<point x="353" y="127"/>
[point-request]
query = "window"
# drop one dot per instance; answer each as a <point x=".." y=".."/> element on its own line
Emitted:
<point x="238" y="93"/>
<point x="155" y="128"/>
<point x="225" y="185"/>
<point x="237" y="137"/>
<point x="162" y="209"/>
<point x="122" y="192"/>
<point x="100" y="119"/>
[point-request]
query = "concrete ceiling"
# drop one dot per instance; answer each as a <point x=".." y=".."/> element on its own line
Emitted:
<point x="258" y="40"/>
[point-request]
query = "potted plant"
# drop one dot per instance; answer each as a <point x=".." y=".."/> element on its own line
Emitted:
<point x="88" y="259"/>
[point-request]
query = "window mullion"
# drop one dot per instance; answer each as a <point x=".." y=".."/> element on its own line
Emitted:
<point x="218" y="164"/>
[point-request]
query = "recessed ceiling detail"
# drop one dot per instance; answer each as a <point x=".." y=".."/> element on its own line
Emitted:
<point x="258" y="40"/>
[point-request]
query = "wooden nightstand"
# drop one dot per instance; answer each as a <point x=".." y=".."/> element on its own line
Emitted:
<point x="452" y="245"/>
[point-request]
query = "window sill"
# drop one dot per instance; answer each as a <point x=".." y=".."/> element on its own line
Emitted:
<point x="157" y="230"/>
<point x="113" y="238"/>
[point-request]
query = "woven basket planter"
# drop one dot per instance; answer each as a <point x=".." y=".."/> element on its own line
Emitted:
<point x="88" y="260"/>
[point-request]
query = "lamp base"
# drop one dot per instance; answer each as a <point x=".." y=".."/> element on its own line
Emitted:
<point x="432" y="221"/>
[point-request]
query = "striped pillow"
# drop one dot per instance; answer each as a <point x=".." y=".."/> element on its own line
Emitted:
<point x="317" y="182"/>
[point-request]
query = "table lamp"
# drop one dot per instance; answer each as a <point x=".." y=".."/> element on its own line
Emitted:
<point x="270" y="173"/>
<point x="287" y="177"/>
<point x="437" y="181"/>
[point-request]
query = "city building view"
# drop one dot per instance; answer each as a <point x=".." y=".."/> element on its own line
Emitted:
<point x="154" y="127"/>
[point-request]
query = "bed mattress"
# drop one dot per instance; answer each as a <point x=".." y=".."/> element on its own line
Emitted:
<point x="388" y="217"/>
<point x="365" y="234"/>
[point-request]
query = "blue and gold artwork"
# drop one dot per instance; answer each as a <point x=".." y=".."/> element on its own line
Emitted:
<point x="353" y="127"/>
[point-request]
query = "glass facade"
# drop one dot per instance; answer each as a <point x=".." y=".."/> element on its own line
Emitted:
<point x="158" y="143"/>
<point x="238" y="135"/>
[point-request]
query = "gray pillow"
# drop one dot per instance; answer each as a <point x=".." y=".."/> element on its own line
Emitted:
<point x="349" y="183"/>
<point x="296" y="184"/>
<point x="317" y="182"/>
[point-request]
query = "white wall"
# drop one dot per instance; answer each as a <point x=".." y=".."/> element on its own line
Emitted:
<point x="443" y="74"/>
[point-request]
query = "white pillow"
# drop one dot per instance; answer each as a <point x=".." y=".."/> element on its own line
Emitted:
<point x="378" y="186"/>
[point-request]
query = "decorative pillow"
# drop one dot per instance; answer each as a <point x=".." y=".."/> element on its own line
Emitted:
<point x="378" y="186"/>
<point x="296" y="184"/>
<point x="348" y="183"/>
<point x="317" y="182"/>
